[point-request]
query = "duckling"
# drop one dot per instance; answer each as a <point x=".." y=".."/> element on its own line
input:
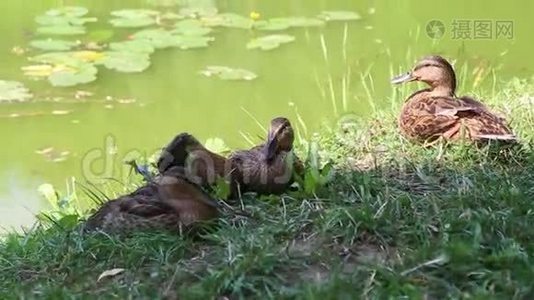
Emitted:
<point x="268" y="168"/>
<point x="264" y="169"/>
<point x="200" y="165"/>
<point x="169" y="202"/>
<point x="436" y="112"/>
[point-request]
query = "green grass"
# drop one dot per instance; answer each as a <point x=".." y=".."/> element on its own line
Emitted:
<point x="398" y="220"/>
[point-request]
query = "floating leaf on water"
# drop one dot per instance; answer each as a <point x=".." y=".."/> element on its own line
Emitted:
<point x="132" y="23"/>
<point x="59" y="112"/>
<point x="191" y="27"/>
<point x="44" y="150"/>
<point x="191" y="41"/>
<point x="14" y="91"/>
<point x="140" y="46"/>
<point x="230" y="20"/>
<point x="134" y="13"/>
<point x="53" y="45"/>
<point x="38" y="70"/>
<point x="270" y="42"/>
<point x="134" y="17"/>
<point x="216" y="145"/>
<point x="158" y="38"/>
<point x="126" y="100"/>
<point x="272" y="25"/>
<point x="88" y="55"/>
<point x="110" y="273"/>
<point x="171" y="16"/>
<point x="55" y="58"/>
<point x="227" y="73"/>
<point x="128" y="62"/>
<point x="52" y="155"/>
<point x="61" y="30"/>
<point x="18" y="50"/>
<point x="199" y="10"/>
<point x="285" y="23"/>
<point x="62" y="20"/>
<point x="83" y="73"/>
<point x="164" y="3"/>
<point x="82" y="94"/>
<point x="68" y="11"/>
<point x="339" y="15"/>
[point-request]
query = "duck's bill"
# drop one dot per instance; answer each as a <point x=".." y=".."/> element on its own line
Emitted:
<point x="403" y="78"/>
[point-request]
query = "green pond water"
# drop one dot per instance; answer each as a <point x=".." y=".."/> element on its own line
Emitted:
<point x="134" y="114"/>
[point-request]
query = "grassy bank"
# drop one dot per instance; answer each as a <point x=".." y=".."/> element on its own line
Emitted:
<point x="397" y="220"/>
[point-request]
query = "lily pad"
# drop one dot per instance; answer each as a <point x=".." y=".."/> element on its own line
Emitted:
<point x="270" y="42"/>
<point x="191" y="27"/>
<point x="199" y="8"/>
<point x="171" y="16"/>
<point x="134" y="17"/>
<point x="53" y="45"/>
<point x="227" y="73"/>
<point x="339" y="15"/>
<point x="38" y="70"/>
<point x="277" y="24"/>
<point x="69" y="11"/>
<point x="65" y="68"/>
<point x="192" y="41"/>
<point x="62" y="20"/>
<point x="164" y="3"/>
<point x="127" y="62"/>
<point x="55" y="58"/>
<point x="134" y="13"/>
<point x="61" y="30"/>
<point x="132" y="23"/>
<point x="14" y="91"/>
<point x="230" y="20"/>
<point x="82" y="73"/>
<point x="273" y="24"/>
<point x="139" y="46"/>
<point x="158" y="38"/>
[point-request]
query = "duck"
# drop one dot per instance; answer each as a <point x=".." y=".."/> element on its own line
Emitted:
<point x="267" y="168"/>
<point x="436" y="113"/>
<point x="169" y="202"/>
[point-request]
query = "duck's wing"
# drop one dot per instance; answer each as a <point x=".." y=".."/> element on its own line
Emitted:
<point x="480" y="122"/>
<point x="144" y="207"/>
<point x="444" y="106"/>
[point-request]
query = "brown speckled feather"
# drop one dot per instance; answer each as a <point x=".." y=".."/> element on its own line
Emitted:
<point x="170" y="202"/>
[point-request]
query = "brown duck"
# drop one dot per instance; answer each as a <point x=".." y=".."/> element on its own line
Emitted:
<point x="169" y="202"/>
<point x="264" y="169"/>
<point x="436" y="112"/>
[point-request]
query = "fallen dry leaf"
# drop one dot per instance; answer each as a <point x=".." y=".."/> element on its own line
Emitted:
<point x="110" y="273"/>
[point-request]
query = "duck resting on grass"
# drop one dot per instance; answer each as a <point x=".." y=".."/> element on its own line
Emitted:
<point x="264" y="169"/>
<point x="169" y="202"/>
<point x="437" y="113"/>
